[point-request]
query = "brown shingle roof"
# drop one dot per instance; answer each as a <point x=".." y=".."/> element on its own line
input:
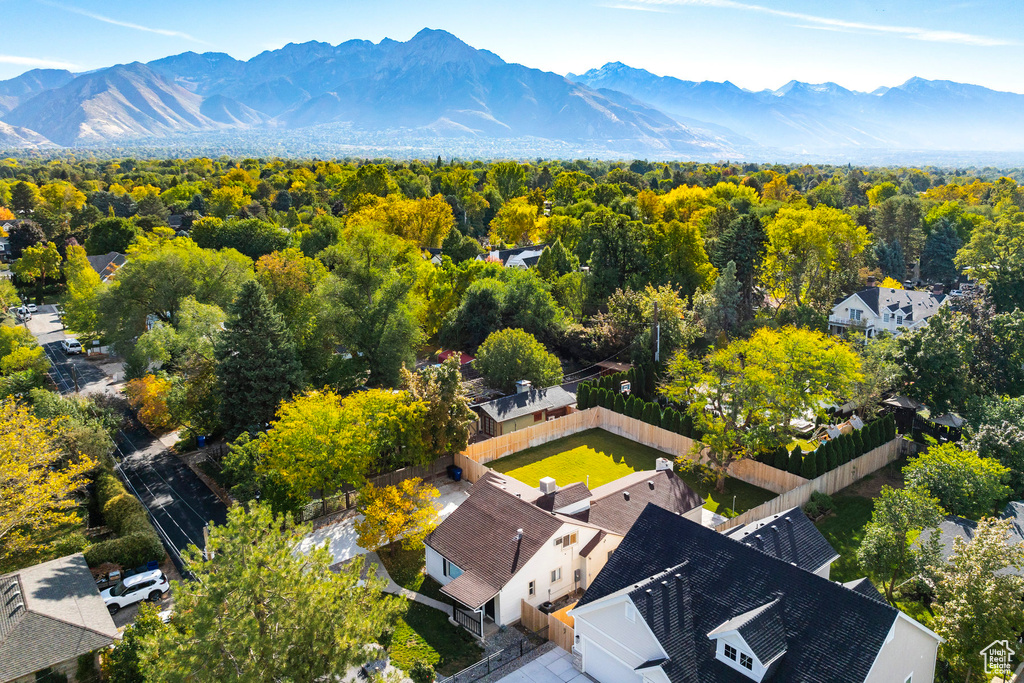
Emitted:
<point x="480" y="538"/>
<point x="566" y="495"/>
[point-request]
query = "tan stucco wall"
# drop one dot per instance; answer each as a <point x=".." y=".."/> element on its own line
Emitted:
<point x="910" y="652"/>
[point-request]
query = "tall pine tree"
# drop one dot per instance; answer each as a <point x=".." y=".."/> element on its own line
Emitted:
<point x="257" y="365"/>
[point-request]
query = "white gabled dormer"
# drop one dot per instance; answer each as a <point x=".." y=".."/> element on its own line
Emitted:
<point x="753" y="641"/>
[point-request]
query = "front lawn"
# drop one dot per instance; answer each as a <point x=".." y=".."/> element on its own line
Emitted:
<point x="597" y="457"/>
<point x="424" y="632"/>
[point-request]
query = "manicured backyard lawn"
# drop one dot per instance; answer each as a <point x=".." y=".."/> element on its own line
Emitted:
<point x="597" y="457"/>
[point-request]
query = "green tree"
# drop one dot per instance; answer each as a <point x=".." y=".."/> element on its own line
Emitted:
<point x="37" y="264"/>
<point x="278" y="614"/>
<point x="83" y="284"/>
<point x="937" y="258"/>
<point x="796" y="461"/>
<point x="720" y="308"/>
<point x="964" y="483"/>
<point x="459" y="247"/>
<point x="390" y="513"/>
<point x="555" y="261"/>
<point x="111" y="234"/>
<point x="972" y="608"/>
<point x="510" y="355"/>
<point x="447" y="418"/>
<point x="745" y="243"/>
<point x="995" y="255"/>
<point x="510" y="179"/>
<point x="997" y="431"/>
<point x="887" y="551"/>
<point x="24" y="197"/>
<point x="256" y="362"/>
<point x="124" y="663"/>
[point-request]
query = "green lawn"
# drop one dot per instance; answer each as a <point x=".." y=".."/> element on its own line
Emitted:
<point x="597" y="457"/>
<point x="424" y="632"/>
<point x="844" y="529"/>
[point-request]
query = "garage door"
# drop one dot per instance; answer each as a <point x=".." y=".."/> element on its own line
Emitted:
<point x="607" y="669"/>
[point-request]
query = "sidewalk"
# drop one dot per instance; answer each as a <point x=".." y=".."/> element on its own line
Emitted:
<point x="394" y="589"/>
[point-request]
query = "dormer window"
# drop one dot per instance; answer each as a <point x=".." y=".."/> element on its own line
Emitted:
<point x="746" y="661"/>
<point x="730" y="652"/>
<point x="751" y="642"/>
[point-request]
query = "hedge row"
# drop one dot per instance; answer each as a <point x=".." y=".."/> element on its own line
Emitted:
<point x="833" y="453"/>
<point x="642" y="382"/>
<point x="136" y="542"/>
<point x="589" y="396"/>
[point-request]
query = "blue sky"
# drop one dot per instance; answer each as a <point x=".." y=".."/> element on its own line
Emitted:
<point x="860" y="44"/>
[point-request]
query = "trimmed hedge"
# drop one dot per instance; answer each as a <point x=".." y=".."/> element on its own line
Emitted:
<point x="128" y="551"/>
<point x="137" y="542"/>
<point x="796" y="459"/>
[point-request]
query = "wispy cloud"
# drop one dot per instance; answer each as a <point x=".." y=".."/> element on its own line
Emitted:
<point x="38" y="63"/>
<point x="638" y="8"/>
<point x="126" y="24"/>
<point x="910" y="32"/>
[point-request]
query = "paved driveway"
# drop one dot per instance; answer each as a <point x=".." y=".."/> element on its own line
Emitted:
<point x="551" y="667"/>
<point x="342" y="537"/>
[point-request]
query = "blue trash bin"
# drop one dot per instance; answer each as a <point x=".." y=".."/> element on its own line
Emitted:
<point x="457" y="473"/>
<point x="201" y="441"/>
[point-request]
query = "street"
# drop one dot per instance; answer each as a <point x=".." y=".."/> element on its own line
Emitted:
<point x="179" y="502"/>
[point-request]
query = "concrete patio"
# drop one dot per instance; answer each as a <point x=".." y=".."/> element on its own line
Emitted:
<point x="551" y="667"/>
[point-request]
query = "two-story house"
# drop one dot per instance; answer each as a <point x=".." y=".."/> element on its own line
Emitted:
<point x="875" y="309"/>
<point x="679" y="603"/>
<point x="510" y="542"/>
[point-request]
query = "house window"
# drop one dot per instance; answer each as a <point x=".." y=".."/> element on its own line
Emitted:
<point x="556" y="575"/>
<point x="567" y="540"/>
<point x="730" y="652"/>
<point x="630" y="613"/>
<point x="533" y="588"/>
<point x="746" y="662"/>
<point x="855" y="313"/>
<point x="885" y="317"/>
<point x="899" y="320"/>
<point x="450" y="570"/>
<point x="538" y="416"/>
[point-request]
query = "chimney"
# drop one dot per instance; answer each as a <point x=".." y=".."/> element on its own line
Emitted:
<point x="523" y="386"/>
<point x="662" y="464"/>
<point x="937" y="289"/>
<point x="548" y="486"/>
<point x="871" y="281"/>
<point x="665" y="607"/>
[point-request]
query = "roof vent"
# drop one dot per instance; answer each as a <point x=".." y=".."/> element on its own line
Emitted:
<point x="625" y="494"/>
<point x="523" y="386"/>
<point x="17" y="606"/>
<point x="519" y="534"/>
<point x="650" y="485"/>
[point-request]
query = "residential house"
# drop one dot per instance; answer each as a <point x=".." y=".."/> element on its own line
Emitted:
<point x="679" y="603"/>
<point x="107" y="264"/>
<point x="50" y="615"/>
<point x="524" y="408"/>
<point x="510" y="542"/>
<point x="519" y="257"/>
<point x="877" y="309"/>
<point x="953" y="527"/>
<point x="791" y="537"/>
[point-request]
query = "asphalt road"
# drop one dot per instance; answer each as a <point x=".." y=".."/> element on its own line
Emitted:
<point x="179" y="502"/>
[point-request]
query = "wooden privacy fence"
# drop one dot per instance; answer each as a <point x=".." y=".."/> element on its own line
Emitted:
<point x="829" y="483"/>
<point x="558" y="624"/>
<point x="765" y="476"/>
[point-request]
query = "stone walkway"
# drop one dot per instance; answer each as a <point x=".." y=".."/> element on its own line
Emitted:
<point x="394" y="589"/>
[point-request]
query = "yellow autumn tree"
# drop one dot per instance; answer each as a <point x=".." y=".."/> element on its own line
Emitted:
<point x="777" y="189"/>
<point x="390" y="513"/>
<point x="148" y="396"/>
<point x="6" y="215"/>
<point x="516" y="223"/>
<point x="423" y="221"/>
<point x="890" y="283"/>
<point x="37" y="480"/>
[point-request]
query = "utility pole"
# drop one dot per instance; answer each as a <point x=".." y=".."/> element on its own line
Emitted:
<point x="74" y="376"/>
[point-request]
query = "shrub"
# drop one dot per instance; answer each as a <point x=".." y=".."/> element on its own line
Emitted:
<point x="620" y="404"/>
<point x="859" y="447"/>
<point x="781" y="458"/>
<point x="583" y="396"/>
<point x="809" y="467"/>
<point x="811" y="509"/>
<point x="687" y="426"/>
<point x="421" y="672"/>
<point x="120" y="509"/>
<point x="796" y="458"/>
<point x="108" y="487"/>
<point x="823" y="501"/>
<point x="128" y="551"/>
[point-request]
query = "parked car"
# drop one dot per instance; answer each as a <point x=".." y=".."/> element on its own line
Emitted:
<point x="71" y="346"/>
<point x="22" y="313"/>
<point x="31" y="308"/>
<point x="145" y="586"/>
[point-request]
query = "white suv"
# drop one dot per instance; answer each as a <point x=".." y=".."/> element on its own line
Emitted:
<point x="71" y="346"/>
<point x="145" y="586"/>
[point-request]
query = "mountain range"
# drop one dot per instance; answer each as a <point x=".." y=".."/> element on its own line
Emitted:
<point x="435" y="92"/>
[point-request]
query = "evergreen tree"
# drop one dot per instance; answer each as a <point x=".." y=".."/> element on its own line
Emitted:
<point x="781" y="459"/>
<point x="257" y="365"/>
<point x="620" y="404"/>
<point x="656" y="415"/>
<point x="630" y="403"/>
<point x="607" y="399"/>
<point x="858" y="443"/>
<point x="891" y="260"/>
<point x="686" y="428"/>
<point x="583" y="396"/>
<point x="831" y="456"/>
<point x="796" y="459"/>
<point x="640" y="383"/>
<point x="809" y="467"/>
<point x="556" y="261"/>
<point x="820" y="461"/>
<point x="939" y="250"/>
<point x="847" y="441"/>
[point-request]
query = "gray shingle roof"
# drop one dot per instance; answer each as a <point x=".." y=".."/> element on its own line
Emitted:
<point x="50" y="613"/>
<point x="831" y="633"/>
<point x="915" y="305"/>
<point x="953" y="527"/>
<point x="866" y="588"/>
<point x="761" y="628"/>
<point x="789" y="536"/>
<point x="527" y="403"/>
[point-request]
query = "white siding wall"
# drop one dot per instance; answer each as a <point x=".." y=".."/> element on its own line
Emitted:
<point x="910" y="652"/>
<point x="538" y="569"/>
<point x="435" y="568"/>
<point x="607" y="629"/>
<point x="598" y="558"/>
<point x="824" y="571"/>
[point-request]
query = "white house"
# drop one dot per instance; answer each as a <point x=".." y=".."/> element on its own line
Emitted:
<point x="679" y="603"/>
<point x="510" y="542"/>
<point x="874" y="309"/>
